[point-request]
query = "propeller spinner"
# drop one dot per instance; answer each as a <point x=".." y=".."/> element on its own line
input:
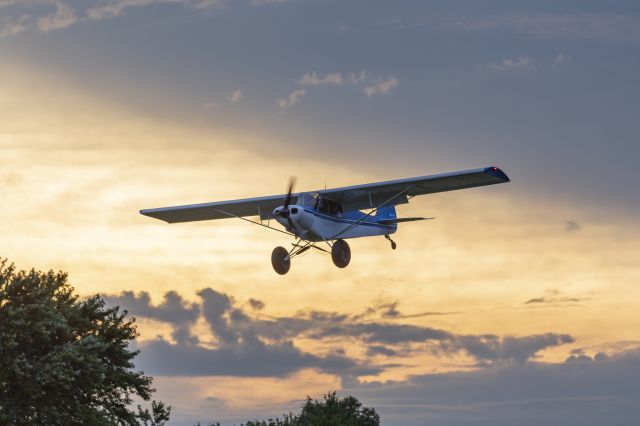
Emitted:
<point x="284" y="212"/>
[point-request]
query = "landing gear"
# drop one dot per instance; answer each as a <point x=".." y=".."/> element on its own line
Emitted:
<point x="341" y="253"/>
<point x="393" y="243"/>
<point x="280" y="260"/>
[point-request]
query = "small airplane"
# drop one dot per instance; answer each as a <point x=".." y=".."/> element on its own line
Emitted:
<point x="331" y="216"/>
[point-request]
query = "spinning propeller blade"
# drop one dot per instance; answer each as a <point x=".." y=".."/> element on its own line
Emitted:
<point x="287" y="201"/>
<point x="285" y="208"/>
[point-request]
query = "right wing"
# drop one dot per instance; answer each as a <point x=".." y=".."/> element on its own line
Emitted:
<point x="259" y="206"/>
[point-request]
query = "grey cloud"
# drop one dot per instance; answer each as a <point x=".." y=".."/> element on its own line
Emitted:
<point x="382" y="333"/>
<point x="579" y="355"/>
<point x="604" y="27"/>
<point x="13" y="26"/>
<point x="247" y="359"/>
<point x="313" y="79"/>
<point x="213" y="402"/>
<point x="64" y="15"/>
<point x="245" y="341"/>
<point x="495" y="349"/>
<point x="233" y="325"/>
<point x="561" y="60"/>
<point x="256" y="304"/>
<point x="236" y="96"/>
<point x="572" y="226"/>
<point x="389" y="310"/>
<point x="380" y="350"/>
<point x="554" y="298"/>
<point x="511" y="64"/>
<point x="579" y="358"/>
<point x="173" y="310"/>
<point x="241" y="349"/>
<point x="214" y="308"/>
<point x="51" y="15"/>
<point x="574" y="393"/>
<point x="293" y="98"/>
<point x="369" y="84"/>
<point x="381" y="86"/>
<point x="386" y="310"/>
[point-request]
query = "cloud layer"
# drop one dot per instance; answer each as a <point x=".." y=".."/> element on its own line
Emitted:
<point x="369" y="85"/>
<point x="570" y="26"/>
<point x="246" y="345"/>
<point x="502" y="385"/>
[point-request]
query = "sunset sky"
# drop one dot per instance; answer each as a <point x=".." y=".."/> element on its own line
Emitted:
<point x="517" y="305"/>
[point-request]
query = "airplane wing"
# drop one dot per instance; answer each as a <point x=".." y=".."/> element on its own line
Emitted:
<point x="259" y="206"/>
<point x="356" y="197"/>
<point x="393" y="192"/>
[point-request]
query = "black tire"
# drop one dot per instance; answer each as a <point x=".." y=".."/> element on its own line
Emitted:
<point x="341" y="253"/>
<point x="280" y="260"/>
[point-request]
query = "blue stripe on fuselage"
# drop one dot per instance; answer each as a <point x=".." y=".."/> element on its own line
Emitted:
<point x="349" y="221"/>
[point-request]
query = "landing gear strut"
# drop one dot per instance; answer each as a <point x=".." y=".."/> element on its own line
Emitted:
<point x="280" y="260"/>
<point x="341" y="253"/>
<point x="393" y="243"/>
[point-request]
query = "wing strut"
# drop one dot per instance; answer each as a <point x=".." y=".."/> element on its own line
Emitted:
<point x="359" y="221"/>
<point x="255" y="223"/>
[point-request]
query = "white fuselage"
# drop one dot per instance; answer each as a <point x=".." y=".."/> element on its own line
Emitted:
<point x="312" y="225"/>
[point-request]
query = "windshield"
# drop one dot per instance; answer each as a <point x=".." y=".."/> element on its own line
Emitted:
<point x="307" y="200"/>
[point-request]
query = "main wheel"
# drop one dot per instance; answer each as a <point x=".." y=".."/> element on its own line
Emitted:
<point x="280" y="260"/>
<point x="341" y="253"/>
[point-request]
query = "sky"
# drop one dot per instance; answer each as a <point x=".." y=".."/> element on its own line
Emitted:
<point x="517" y="305"/>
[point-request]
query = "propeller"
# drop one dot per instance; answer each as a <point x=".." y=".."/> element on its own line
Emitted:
<point x="287" y="201"/>
<point x="284" y="212"/>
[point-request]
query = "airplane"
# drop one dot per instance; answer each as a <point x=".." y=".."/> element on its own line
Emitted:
<point x="331" y="216"/>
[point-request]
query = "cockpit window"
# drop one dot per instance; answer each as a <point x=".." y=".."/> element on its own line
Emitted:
<point x="307" y="200"/>
<point x="320" y="204"/>
<point x="330" y="207"/>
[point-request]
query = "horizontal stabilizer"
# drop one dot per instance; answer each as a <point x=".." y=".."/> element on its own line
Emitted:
<point x="403" y="219"/>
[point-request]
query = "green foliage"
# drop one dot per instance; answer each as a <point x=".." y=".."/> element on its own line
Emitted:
<point x="158" y="416"/>
<point x="331" y="411"/>
<point x="66" y="361"/>
<point x="335" y="411"/>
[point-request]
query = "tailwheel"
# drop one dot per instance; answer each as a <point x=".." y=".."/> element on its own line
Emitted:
<point x="280" y="260"/>
<point x="341" y="253"/>
<point x="393" y="243"/>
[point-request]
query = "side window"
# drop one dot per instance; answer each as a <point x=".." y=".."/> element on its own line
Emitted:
<point x="326" y="206"/>
<point x="333" y="208"/>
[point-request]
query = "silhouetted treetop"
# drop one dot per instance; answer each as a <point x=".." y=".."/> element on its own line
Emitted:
<point x="66" y="360"/>
<point x="331" y="411"/>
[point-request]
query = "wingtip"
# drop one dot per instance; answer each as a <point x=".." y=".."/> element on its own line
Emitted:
<point x="497" y="172"/>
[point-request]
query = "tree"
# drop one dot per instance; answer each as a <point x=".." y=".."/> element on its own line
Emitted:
<point x="347" y="411"/>
<point x="332" y="411"/>
<point x="66" y="360"/>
